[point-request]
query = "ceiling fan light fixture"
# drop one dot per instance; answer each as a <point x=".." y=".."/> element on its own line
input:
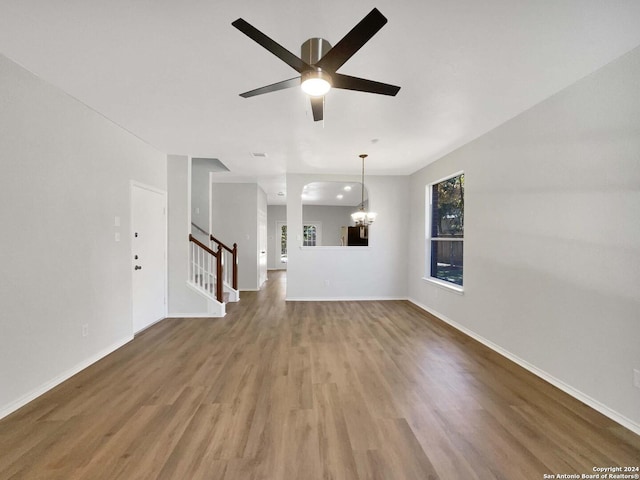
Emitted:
<point x="316" y="83"/>
<point x="317" y="57"/>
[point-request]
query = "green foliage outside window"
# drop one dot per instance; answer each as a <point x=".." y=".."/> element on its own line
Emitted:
<point x="447" y="229"/>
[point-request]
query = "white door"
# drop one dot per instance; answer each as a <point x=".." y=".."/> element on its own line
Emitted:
<point x="148" y="257"/>
<point x="262" y="247"/>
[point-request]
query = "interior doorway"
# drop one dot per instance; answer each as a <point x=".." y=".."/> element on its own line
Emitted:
<point x="148" y="255"/>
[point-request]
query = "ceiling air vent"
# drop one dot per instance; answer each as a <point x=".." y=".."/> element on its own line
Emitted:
<point x="259" y="155"/>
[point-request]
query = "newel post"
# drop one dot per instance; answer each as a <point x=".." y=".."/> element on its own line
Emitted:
<point x="235" y="266"/>
<point x="219" y="279"/>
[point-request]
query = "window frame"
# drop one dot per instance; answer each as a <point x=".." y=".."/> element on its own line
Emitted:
<point x="429" y="238"/>
<point x="318" y="234"/>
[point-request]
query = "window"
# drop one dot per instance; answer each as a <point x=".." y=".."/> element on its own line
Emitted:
<point x="283" y="243"/>
<point x="309" y="235"/>
<point x="445" y="224"/>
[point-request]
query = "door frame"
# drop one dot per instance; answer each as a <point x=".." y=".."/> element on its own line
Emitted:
<point x="165" y="308"/>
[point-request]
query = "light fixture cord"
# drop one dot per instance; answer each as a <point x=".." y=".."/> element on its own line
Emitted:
<point x="362" y="189"/>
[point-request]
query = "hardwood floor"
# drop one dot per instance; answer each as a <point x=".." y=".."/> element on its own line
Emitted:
<point x="307" y="390"/>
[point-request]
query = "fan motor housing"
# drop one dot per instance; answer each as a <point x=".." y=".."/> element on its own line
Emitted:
<point x="314" y="49"/>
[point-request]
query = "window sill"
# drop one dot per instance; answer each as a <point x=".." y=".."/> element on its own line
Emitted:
<point x="445" y="285"/>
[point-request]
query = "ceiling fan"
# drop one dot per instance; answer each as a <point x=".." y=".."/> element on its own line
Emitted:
<point x="319" y="61"/>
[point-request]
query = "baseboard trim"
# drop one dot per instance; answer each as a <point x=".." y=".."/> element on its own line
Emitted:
<point x="150" y="325"/>
<point x="344" y="299"/>
<point x="192" y="315"/>
<point x="54" y="382"/>
<point x="568" y="389"/>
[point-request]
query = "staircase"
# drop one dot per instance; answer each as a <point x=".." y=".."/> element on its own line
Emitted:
<point x="213" y="271"/>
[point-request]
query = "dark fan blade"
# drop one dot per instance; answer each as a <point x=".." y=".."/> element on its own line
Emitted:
<point x="274" y="87"/>
<point x="278" y="50"/>
<point x="362" y="85"/>
<point x="317" y="106"/>
<point x="353" y="41"/>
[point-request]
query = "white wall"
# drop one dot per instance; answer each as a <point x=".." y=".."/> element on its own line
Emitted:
<point x="374" y="272"/>
<point x="201" y="170"/>
<point x="234" y="213"/>
<point x="200" y="202"/>
<point x="183" y="301"/>
<point x="66" y="174"/>
<point x="552" y="238"/>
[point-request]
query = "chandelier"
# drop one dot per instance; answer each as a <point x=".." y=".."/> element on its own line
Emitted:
<point x="362" y="218"/>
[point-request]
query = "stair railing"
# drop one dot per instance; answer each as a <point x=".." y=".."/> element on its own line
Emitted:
<point x="206" y="267"/>
<point x="230" y="256"/>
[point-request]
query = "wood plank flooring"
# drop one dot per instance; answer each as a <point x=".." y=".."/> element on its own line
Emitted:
<point x="307" y="390"/>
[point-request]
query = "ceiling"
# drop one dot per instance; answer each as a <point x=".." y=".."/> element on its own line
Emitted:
<point x="170" y="72"/>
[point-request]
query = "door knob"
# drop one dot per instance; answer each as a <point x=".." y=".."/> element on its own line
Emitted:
<point x="137" y="267"/>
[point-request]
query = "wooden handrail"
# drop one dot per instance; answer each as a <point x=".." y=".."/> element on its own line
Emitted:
<point x="218" y="257"/>
<point x="214" y="239"/>
<point x="202" y="245"/>
<point x="234" y="251"/>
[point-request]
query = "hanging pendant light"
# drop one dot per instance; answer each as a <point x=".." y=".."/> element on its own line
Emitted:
<point x="363" y="218"/>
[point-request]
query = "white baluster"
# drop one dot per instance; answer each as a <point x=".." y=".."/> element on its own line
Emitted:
<point x="193" y="262"/>
<point x="211" y="275"/>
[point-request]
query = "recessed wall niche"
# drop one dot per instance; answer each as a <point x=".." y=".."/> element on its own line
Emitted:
<point x="326" y="214"/>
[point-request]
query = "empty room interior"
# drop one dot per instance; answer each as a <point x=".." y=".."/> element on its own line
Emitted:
<point x="343" y="240"/>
